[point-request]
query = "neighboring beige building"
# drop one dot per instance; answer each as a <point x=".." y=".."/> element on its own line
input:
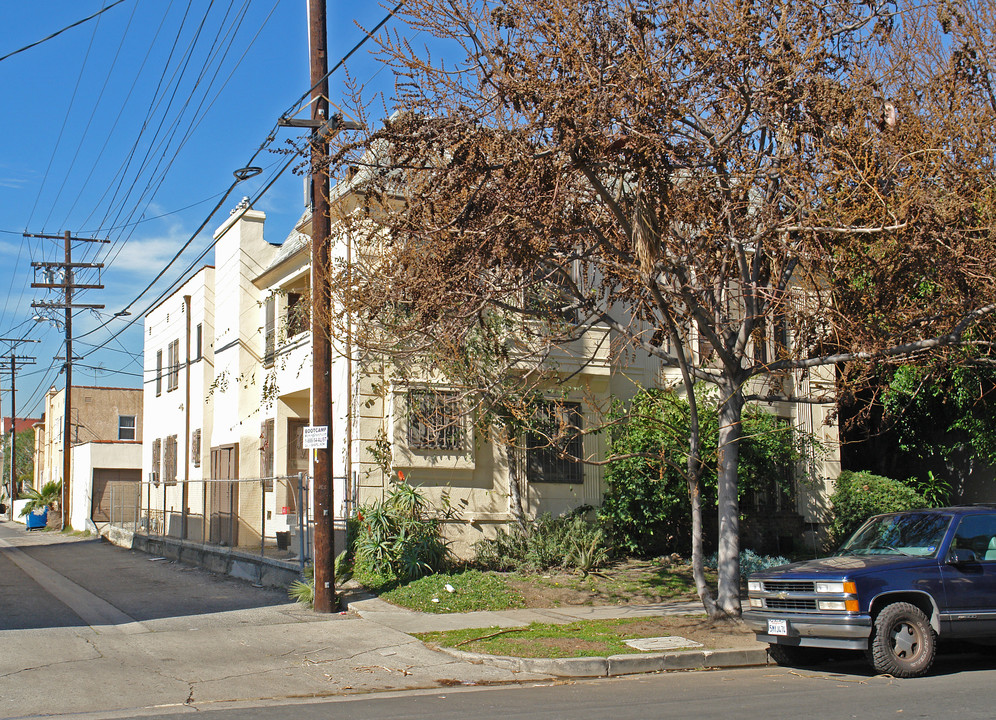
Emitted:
<point x="106" y="438"/>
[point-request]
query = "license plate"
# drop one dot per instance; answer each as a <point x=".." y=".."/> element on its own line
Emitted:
<point x="778" y="627"/>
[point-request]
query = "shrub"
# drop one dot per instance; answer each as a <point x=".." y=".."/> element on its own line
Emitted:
<point x="750" y="562"/>
<point x="568" y="541"/>
<point x="646" y="506"/>
<point x="859" y="495"/>
<point x="400" y="536"/>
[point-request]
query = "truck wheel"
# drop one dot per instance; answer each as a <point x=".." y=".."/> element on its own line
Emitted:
<point x="902" y="643"/>
<point x="793" y="655"/>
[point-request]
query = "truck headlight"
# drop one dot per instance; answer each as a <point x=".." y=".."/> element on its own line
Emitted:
<point x="837" y="587"/>
<point x="831" y="605"/>
<point x="753" y="586"/>
<point x="756" y="602"/>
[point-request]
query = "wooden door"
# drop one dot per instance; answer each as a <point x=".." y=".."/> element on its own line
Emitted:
<point x="223" y="497"/>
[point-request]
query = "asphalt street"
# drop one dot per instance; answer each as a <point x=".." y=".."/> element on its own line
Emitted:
<point x="961" y="691"/>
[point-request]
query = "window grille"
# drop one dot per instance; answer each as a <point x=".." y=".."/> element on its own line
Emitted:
<point x="435" y="420"/>
<point x="298" y="314"/>
<point x="555" y="447"/>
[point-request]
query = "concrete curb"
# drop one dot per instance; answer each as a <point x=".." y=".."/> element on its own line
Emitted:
<point x="617" y="664"/>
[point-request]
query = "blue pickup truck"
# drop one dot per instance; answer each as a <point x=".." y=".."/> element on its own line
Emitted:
<point x="898" y="584"/>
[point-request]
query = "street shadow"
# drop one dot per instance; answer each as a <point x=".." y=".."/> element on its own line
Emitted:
<point x="953" y="658"/>
<point x="36" y="578"/>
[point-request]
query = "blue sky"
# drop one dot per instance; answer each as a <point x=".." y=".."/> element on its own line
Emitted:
<point x="128" y="128"/>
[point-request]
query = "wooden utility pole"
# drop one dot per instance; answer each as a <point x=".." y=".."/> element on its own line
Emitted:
<point x="67" y="285"/>
<point x="16" y="362"/>
<point x="321" y="386"/>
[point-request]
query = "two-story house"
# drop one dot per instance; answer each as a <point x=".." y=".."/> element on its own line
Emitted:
<point x="106" y="445"/>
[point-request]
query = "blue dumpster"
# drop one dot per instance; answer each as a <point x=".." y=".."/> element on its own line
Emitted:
<point x="37" y="519"/>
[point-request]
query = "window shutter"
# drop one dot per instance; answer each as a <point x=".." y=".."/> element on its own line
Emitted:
<point x="271" y="331"/>
<point x="195" y="447"/>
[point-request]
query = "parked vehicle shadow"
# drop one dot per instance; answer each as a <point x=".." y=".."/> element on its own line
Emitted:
<point x="953" y="657"/>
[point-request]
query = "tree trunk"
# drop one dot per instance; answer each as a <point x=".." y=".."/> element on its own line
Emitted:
<point x="698" y="570"/>
<point x="731" y="405"/>
<point x="514" y="488"/>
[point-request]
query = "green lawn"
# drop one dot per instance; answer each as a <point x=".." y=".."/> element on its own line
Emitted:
<point x="588" y="638"/>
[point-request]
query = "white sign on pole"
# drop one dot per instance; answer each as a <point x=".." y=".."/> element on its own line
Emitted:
<point x="316" y="438"/>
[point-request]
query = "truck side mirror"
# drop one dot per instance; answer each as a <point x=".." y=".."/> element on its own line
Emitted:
<point x="961" y="556"/>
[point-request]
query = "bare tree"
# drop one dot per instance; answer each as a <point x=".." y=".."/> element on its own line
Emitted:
<point x="744" y="189"/>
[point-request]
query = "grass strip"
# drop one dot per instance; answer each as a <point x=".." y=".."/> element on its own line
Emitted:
<point x="584" y="638"/>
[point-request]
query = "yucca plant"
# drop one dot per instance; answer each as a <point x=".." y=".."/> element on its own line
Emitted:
<point x="303" y="591"/>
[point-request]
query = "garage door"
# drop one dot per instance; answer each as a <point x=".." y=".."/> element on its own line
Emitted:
<point x="122" y="485"/>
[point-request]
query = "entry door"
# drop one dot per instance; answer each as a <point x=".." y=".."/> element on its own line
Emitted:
<point x="223" y="497"/>
<point x="297" y="460"/>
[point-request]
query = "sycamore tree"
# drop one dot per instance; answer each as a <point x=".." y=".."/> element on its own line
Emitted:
<point x="744" y="189"/>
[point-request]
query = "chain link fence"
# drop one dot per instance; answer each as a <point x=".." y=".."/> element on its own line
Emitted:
<point x="270" y="517"/>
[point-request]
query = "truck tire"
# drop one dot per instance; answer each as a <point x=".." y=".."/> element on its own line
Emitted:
<point x="903" y="643"/>
<point x="793" y="655"/>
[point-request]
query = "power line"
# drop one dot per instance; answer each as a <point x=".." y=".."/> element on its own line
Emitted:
<point x="223" y="197"/>
<point x="59" y="32"/>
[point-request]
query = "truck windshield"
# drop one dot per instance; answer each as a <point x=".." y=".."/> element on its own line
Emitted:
<point x="915" y="534"/>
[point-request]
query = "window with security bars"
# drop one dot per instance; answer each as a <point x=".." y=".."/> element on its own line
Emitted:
<point x="298" y="314"/>
<point x="435" y="420"/>
<point x="548" y="296"/>
<point x="554" y="447"/>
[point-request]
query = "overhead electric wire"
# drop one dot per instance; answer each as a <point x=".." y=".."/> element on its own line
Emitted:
<point x="182" y="277"/>
<point x="65" y="121"/>
<point x="131" y="93"/>
<point x="96" y="162"/>
<point x="158" y="176"/>
<point x="224" y="196"/>
<point x="59" y="32"/>
<point x="298" y="103"/>
<point x="194" y="124"/>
